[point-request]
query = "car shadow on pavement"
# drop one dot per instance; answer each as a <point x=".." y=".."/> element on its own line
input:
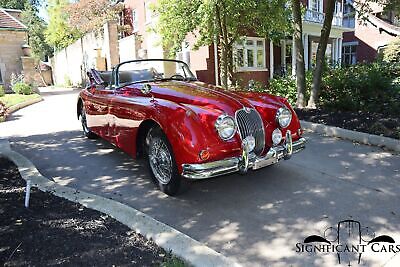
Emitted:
<point x="13" y="117"/>
<point x="257" y="218"/>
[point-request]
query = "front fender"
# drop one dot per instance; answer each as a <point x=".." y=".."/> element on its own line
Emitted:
<point x="190" y="129"/>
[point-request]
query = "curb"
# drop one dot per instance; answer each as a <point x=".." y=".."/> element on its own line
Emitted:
<point x="170" y="239"/>
<point x="24" y="104"/>
<point x="363" y="138"/>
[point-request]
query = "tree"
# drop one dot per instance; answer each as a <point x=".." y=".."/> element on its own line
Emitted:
<point x="36" y="28"/>
<point x="221" y="21"/>
<point x="299" y="49"/>
<point x="320" y="59"/>
<point x="59" y="34"/>
<point x="19" y="4"/>
<point x="392" y="51"/>
<point x="363" y="8"/>
<point x="89" y="15"/>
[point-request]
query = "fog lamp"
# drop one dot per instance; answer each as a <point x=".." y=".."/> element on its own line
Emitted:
<point x="276" y="137"/>
<point x="249" y="143"/>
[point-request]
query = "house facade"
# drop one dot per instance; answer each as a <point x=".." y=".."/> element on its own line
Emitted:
<point x="13" y="35"/>
<point x="256" y="58"/>
<point x="370" y="35"/>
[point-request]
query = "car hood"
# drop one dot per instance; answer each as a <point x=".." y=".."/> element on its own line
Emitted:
<point x="213" y="97"/>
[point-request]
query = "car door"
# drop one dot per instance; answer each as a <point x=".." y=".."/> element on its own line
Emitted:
<point x="97" y="109"/>
<point x="128" y="108"/>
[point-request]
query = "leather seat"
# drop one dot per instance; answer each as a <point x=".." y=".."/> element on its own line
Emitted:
<point x="135" y="76"/>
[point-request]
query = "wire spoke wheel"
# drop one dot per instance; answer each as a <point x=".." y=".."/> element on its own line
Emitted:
<point x="86" y="130"/>
<point x="160" y="160"/>
<point x="84" y="122"/>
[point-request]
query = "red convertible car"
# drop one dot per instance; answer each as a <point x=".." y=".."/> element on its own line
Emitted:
<point x="185" y="128"/>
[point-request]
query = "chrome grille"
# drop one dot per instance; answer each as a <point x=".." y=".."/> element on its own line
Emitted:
<point x="250" y="124"/>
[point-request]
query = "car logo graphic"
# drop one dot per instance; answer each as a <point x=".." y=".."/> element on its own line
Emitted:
<point x="348" y="240"/>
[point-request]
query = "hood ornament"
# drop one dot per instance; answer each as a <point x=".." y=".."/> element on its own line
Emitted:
<point x="146" y="89"/>
<point x="247" y="110"/>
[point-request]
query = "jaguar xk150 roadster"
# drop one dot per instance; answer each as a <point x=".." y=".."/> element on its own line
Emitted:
<point x="183" y="127"/>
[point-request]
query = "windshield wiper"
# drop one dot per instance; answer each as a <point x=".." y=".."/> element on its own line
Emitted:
<point x="143" y="81"/>
<point x="188" y="79"/>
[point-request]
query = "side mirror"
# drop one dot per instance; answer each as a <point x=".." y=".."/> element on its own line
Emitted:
<point x="146" y="89"/>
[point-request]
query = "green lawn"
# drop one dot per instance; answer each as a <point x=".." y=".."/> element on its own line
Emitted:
<point x="13" y="99"/>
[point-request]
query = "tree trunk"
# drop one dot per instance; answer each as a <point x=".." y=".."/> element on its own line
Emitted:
<point x="224" y="66"/>
<point x="323" y="42"/>
<point x="222" y="47"/>
<point x="299" y="50"/>
<point x="231" y="72"/>
<point x="225" y="46"/>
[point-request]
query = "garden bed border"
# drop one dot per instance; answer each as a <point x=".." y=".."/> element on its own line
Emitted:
<point x="363" y="138"/>
<point x="24" y="104"/>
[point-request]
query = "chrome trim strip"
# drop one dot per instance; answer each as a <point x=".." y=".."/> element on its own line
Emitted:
<point x="230" y="165"/>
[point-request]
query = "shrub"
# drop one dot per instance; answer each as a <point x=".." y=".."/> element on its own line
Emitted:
<point x="360" y="87"/>
<point x="2" y="92"/>
<point x="22" y="88"/>
<point x="67" y="81"/>
<point x="286" y="87"/>
<point x="16" y="78"/>
<point x="371" y="87"/>
<point x="3" y="111"/>
<point x="392" y="52"/>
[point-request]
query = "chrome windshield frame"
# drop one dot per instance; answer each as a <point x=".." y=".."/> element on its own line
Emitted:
<point x="115" y="70"/>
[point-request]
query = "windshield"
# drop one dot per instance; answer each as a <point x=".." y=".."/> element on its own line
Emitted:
<point x="152" y="70"/>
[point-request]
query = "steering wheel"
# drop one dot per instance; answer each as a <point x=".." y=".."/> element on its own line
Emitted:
<point x="178" y="77"/>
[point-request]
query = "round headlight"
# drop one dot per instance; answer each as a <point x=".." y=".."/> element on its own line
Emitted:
<point x="276" y="137"/>
<point x="226" y="127"/>
<point x="283" y="117"/>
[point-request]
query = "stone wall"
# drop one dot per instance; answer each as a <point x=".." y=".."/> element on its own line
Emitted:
<point x="30" y="67"/>
<point x="10" y="54"/>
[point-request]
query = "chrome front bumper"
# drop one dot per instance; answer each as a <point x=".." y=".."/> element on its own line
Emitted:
<point x="243" y="163"/>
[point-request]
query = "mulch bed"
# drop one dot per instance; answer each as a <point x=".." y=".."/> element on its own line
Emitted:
<point x="54" y="231"/>
<point x="373" y="123"/>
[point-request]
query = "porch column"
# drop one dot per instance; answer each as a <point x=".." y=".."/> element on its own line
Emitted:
<point x="337" y="51"/>
<point x="271" y="59"/>
<point x="340" y="50"/>
<point x="293" y="57"/>
<point x="283" y="53"/>
<point x="305" y="40"/>
<point x="333" y="52"/>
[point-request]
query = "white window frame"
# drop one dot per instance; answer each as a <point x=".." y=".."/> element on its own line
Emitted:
<point x="344" y="53"/>
<point x="254" y="48"/>
<point x="319" y="3"/>
<point x="338" y="9"/>
<point x="349" y="15"/>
